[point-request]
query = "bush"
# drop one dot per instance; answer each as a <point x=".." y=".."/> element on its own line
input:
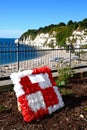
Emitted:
<point x="64" y="73"/>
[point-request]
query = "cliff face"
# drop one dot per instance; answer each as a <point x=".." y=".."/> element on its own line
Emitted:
<point x="78" y="38"/>
<point x="46" y="40"/>
<point x="43" y="40"/>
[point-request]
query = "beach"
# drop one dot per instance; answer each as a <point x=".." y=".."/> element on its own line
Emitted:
<point x="50" y="59"/>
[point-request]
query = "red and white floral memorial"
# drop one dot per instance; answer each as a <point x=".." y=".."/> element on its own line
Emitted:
<point x="36" y="92"/>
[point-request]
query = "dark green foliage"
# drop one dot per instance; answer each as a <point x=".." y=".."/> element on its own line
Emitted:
<point x="75" y="25"/>
<point x="61" y="24"/>
<point x="63" y="34"/>
<point x="70" y="22"/>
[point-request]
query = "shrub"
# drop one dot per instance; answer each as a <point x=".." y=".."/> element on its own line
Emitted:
<point x="64" y="73"/>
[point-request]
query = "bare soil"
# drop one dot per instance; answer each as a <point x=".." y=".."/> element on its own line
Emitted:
<point x="71" y="117"/>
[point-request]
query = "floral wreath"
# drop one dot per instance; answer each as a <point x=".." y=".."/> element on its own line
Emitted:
<point x="36" y="93"/>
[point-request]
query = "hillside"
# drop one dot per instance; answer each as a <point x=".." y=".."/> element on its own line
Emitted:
<point x="54" y="36"/>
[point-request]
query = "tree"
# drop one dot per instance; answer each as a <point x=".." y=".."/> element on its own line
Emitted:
<point x="61" y="24"/>
<point x="70" y="22"/>
<point x="84" y="22"/>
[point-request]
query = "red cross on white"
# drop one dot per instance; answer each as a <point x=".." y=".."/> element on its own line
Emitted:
<point x="36" y="93"/>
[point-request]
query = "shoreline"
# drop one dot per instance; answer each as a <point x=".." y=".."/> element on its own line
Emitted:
<point x="45" y="60"/>
<point x="50" y="59"/>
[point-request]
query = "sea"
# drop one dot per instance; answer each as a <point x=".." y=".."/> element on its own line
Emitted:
<point x="9" y="51"/>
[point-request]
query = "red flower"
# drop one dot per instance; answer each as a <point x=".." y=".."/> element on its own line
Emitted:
<point x="38" y="100"/>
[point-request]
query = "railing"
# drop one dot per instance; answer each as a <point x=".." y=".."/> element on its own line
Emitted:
<point x="18" y="57"/>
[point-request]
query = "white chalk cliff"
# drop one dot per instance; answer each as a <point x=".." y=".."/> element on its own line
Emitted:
<point x="78" y="38"/>
<point x="47" y="41"/>
<point x="42" y="40"/>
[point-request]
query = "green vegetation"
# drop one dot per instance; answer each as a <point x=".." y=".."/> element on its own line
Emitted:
<point x="62" y="30"/>
<point x="64" y="74"/>
<point x="63" y="91"/>
<point x="32" y="33"/>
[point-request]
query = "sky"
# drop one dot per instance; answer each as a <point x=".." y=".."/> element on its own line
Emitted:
<point x="18" y="16"/>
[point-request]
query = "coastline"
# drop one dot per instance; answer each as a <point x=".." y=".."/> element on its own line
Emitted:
<point x="45" y="60"/>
